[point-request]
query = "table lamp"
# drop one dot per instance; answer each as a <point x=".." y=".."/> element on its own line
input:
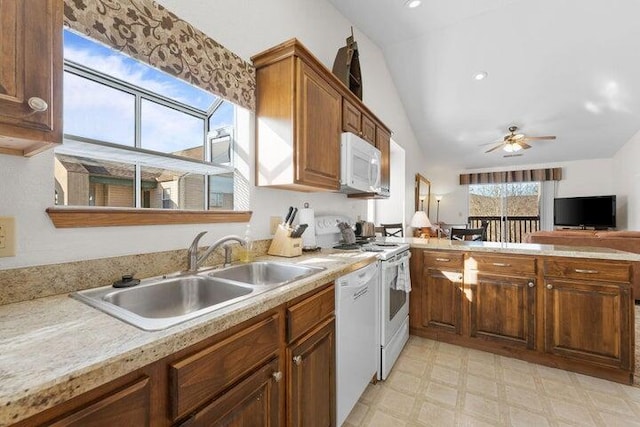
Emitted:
<point x="419" y="221"/>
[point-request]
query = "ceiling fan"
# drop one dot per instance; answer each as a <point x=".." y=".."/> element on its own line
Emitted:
<point x="514" y="142"/>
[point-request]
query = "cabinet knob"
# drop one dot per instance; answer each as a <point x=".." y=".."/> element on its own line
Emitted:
<point x="297" y="360"/>
<point x="549" y="286"/>
<point x="37" y="104"/>
<point x="277" y="376"/>
<point x="531" y="284"/>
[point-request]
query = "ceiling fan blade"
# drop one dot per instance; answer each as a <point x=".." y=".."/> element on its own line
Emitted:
<point x="538" y="138"/>
<point x="524" y="145"/>
<point x="489" y="143"/>
<point x="512" y="155"/>
<point x="494" y="148"/>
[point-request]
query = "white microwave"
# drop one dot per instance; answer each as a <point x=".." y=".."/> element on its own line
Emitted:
<point x="359" y="165"/>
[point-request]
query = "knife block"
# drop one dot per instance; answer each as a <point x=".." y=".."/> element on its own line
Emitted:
<point x="284" y="245"/>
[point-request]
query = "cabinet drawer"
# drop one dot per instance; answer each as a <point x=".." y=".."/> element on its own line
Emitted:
<point x="126" y="406"/>
<point x="200" y="377"/>
<point x="501" y="264"/>
<point x="306" y="314"/>
<point x="588" y="269"/>
<point x="447" y="260"/>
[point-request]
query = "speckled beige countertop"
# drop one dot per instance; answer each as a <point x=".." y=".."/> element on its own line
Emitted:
<point x="55" y="348"/>
<point x="518" y="248"/>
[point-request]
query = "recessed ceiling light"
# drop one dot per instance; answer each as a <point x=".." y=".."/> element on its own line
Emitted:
<point x="412" y="3"/>
<point x="481" y="75"/>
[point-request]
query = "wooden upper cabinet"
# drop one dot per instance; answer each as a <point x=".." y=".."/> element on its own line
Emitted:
<point x="356" y="121"/>
<point x="317" y="148"/>
<point x="301" y="110"/>
<point x="30" y="75"/>
<point x="298" y="114"/>
<point x="351" y="118"/>
<point x="368" y="130"/>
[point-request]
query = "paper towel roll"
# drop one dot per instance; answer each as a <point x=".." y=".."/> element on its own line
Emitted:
<point x="307" y="216"/>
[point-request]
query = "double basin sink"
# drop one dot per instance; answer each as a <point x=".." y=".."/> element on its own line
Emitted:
<point x="159" y="303"/>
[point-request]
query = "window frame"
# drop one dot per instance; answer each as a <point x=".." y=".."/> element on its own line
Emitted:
<point x="87" y="216"/>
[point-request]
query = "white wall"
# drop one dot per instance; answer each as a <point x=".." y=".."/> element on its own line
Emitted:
<point x="627" y="184"/>
<point x="246" y="27"/>
<point x="579" y="178"/>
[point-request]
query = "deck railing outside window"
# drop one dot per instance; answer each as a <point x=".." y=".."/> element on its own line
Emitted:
<point x="514" y="228"/>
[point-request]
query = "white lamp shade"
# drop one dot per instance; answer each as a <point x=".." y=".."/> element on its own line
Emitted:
<point x="420" y="220"/>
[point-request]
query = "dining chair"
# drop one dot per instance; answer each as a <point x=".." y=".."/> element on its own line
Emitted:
<point x="392" y="230"/>
<point x="474" y="234"/>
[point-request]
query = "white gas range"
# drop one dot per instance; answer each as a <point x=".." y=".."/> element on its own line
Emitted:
<point x="392" y="304"/>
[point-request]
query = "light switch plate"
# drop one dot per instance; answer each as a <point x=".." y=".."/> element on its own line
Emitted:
<point x="7" y="236"/>
<point x="273" y="224"/>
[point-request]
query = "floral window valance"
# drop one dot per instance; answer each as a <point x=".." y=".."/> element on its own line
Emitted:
<point x="527" y="175"/>
<point x="150" y="33"/>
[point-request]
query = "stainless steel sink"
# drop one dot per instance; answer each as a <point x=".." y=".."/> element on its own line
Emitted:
<point x="265" y="273"/>
<point x="175" y="297"/>
<point x="159" y="303"/>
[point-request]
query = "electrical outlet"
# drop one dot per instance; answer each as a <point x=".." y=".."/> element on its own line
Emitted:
<point x="274" y="223"/>
<point x="7" y="236"/>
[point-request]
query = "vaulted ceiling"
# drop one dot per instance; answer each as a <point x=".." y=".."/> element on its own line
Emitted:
<point x="569" y="68"/>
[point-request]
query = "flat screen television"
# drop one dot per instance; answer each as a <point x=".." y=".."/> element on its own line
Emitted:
<point x="597" y="211"/>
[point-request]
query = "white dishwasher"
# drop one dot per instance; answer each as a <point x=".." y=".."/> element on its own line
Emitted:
<point x="357" y="336"/>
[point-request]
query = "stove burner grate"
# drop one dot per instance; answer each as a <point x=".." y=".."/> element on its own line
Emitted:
<point x="347" y="246"/>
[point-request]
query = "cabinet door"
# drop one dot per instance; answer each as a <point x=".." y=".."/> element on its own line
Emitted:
<point x="128" y="406"/>
<point x="351" y="118"/>
<point x="368" y="130"/>
<point x="502" y="309"/>
<point x="383" y="143"/>
<point x="317" y="150"/>
<point x="31" y="70"/>
<point x="311" y="378"/>
<point x="253" y="402"/>
<point x="442" y="300"/>
<point x="588" y="321"/>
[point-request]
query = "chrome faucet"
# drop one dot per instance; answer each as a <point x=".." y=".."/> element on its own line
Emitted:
<point x="195" y="260"/>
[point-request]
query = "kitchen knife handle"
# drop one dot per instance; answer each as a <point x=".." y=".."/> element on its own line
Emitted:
<point x="286" y="218"/>
<point x="293" y="215"/>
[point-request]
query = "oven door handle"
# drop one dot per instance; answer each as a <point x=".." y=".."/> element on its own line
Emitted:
<point x="398" y="262"/>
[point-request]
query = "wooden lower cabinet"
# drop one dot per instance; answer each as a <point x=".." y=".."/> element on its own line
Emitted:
<point x="442" y="300"/>
<point x="275" y="369"/>
<point x="569" y="313"/>
<point x="588" y="321"/>
<point x="311" y="372"/>
<point x="502" y="310"/>
<point x="253" y="402"/>
<point x="128" y="406"/>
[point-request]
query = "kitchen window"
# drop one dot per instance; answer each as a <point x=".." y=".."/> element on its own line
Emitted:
<point x="135" y="137"/>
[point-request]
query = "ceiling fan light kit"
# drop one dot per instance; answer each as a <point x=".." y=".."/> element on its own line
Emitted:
<point x="514" y="142"/>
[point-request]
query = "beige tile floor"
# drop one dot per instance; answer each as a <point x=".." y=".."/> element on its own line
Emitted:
<point x="438" y="384"/>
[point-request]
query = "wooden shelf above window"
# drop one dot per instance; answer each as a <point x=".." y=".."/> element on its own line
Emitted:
<point x="77" y="217"/>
